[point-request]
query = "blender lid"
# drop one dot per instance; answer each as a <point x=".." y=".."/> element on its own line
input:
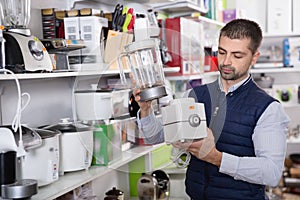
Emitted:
<point x="114" y="192"/>
<point x="142" y="44"/>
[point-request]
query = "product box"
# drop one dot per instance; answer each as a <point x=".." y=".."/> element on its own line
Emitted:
<point x="291" y="52"/>
<point x="107" y="144"/>
<point x="90" y="30"/>
<point x="184" y="39"/>
<point x="296" y="16"/>
<point x="279" y="17"/>
<point x="229" y="15"/>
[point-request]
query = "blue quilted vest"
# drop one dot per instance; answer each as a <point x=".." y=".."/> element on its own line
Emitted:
<point x="241" y="109"/>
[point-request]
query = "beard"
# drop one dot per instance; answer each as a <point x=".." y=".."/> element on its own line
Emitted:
<point x="229" y="73"/>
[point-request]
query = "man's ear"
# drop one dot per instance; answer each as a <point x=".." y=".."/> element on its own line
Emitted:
<point x="255" y="57"/>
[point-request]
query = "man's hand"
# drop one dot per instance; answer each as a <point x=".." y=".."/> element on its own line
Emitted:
<point x="145" y="106"/>
<point x="203" y="149"/>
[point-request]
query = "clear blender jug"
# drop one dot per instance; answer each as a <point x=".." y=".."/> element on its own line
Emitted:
<point x="15" y="14"/>
<point x="144" y="60"/>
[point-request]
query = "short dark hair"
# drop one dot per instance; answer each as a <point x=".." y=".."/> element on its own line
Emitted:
<point x="243" y="28"/>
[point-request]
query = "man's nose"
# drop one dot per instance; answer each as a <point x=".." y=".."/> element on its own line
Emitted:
<point x="227" y="60"/>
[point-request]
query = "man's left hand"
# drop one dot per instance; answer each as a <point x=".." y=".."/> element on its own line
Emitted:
<point x="203" y="149"/>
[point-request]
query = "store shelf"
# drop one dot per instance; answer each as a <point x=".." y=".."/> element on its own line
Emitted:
<point x="178" y="7"/>
<point x="72" y="74"/>
<point x="72" y="180"/>
<point x="281" y="34"/>
<point x="57" y="74"/>
<point x="275" y="70"/>
<point x="207" y="20"/>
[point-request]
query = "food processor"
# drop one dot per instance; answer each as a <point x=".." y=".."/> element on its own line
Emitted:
<point x="23" y="51"/>
<point x="144" y="60"/>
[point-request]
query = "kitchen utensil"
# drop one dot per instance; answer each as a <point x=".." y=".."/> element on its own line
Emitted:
<point x="145" y="64"/>
<point x="76" y="145"/>
<point x="42" y="163"/>
<point x="117" y="12"/>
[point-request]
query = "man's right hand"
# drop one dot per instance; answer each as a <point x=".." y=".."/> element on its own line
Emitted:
<point x="145" y="106"/>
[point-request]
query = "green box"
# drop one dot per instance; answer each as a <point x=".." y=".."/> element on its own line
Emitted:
<point x="107" y="144"/>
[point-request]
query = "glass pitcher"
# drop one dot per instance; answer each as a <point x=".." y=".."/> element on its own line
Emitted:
<point x="15" y="14"/>
<point x="144" y="60"/>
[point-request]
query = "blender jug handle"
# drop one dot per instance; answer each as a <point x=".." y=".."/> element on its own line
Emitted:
<point x="120" y="65"/>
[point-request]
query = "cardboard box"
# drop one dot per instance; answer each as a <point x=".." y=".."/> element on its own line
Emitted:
<point x="296" y="16"/>
<point x="90" y="30"/>
<point x="184" y="39"/>
<point x="291" y="52"/>
<point x="279" y="17"/>
<point x="107" y="144"/>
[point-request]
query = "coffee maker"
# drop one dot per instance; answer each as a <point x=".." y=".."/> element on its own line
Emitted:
<point x="11" y="186"/>
<point x="23" y="51"/>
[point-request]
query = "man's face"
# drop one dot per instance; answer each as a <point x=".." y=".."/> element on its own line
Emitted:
<point x="235" y="58"/>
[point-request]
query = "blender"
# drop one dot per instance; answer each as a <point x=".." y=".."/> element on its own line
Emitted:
<point x="23" y="51"/>
<point x="144" y="59"/>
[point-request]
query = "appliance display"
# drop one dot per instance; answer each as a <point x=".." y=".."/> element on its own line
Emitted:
<point x="184" y="120"/>
<point x="23" y="51"/>
<point x="90" y="29"/>
<point x="42" y="163"/>
<point x="101" y="104"/>
<point x="76" y="145"/>
<point x="146" y="66"/>
<point x="13" y="187"/>
<point x="59" y="49"/>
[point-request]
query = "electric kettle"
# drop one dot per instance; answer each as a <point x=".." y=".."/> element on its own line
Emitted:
<point x="144" y="60"/>
<point x="154" y="186"/>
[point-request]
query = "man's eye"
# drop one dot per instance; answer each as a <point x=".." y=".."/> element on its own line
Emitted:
<point x="221" y="53"/>
<point x="238" y="57"/>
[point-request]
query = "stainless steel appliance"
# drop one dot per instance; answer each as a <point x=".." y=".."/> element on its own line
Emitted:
<point x="59" y="49"/>
<point x="76" y="145"/>
<point x="154" y="186"/>
<point x="23" y="51"/>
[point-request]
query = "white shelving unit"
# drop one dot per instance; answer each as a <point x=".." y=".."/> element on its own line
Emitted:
<point x="72" y="180"/>
<point x="179" y="7"/>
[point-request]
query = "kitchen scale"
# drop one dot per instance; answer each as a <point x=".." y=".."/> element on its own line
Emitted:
<point x="23" y="52"/>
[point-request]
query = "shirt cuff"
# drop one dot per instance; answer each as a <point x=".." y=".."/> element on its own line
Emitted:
<point x="145" y="120"/>
<point x="229" y="164"/>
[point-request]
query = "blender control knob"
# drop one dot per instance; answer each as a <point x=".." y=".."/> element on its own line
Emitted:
<point x="36" y="49"/>
<point x="194" y="120"/>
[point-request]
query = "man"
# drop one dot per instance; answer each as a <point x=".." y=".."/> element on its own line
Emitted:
<point x="246" y="143"/>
